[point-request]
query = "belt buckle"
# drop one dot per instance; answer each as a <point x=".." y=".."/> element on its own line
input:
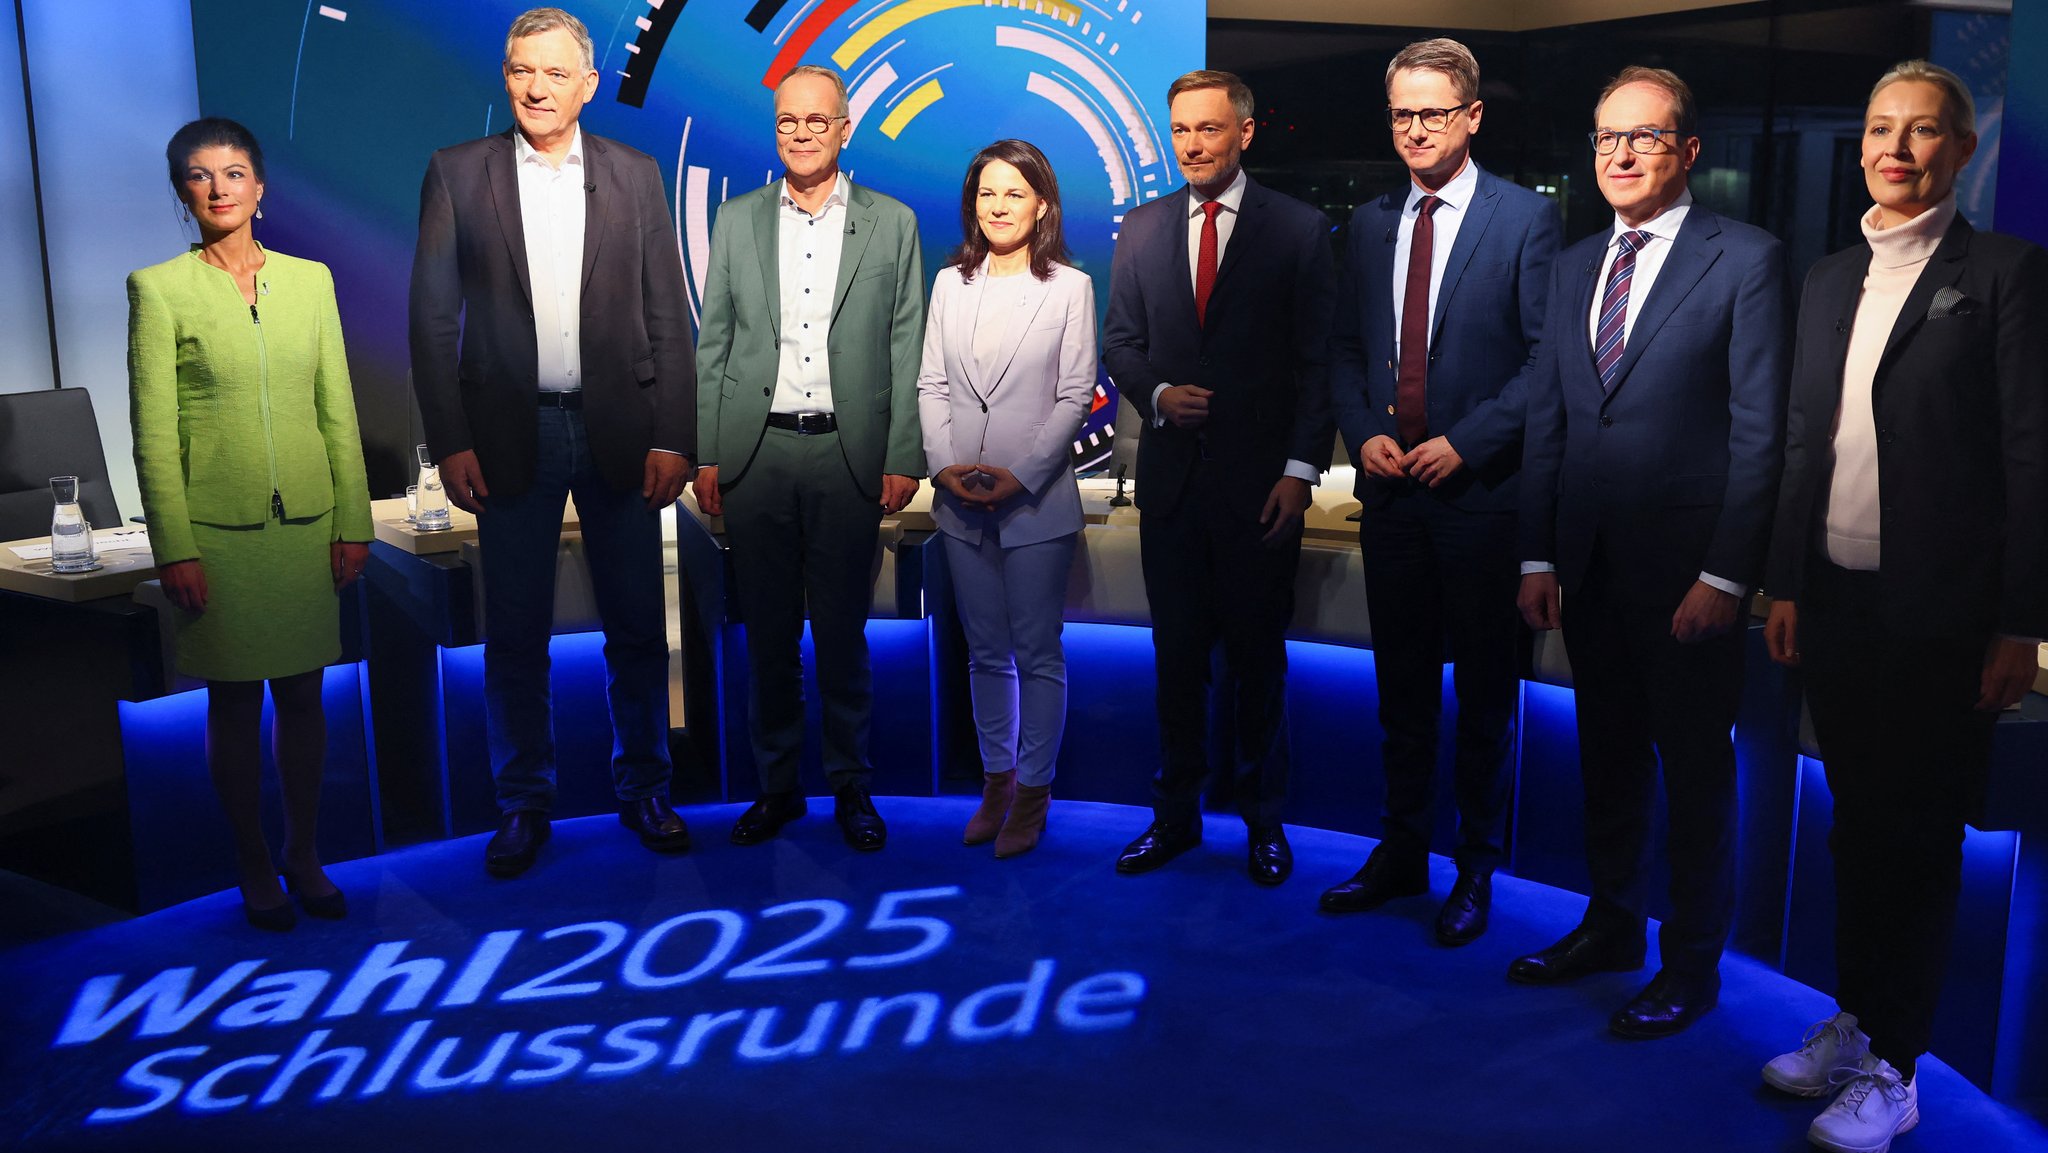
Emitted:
<point x="813" y="423"/>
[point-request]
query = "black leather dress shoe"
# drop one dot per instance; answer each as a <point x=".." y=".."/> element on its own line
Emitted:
<point x="1384" y="876"/>
<point x="766" y="816"/>
<point x="1666" y="1005"/>
<point x="1581" y="952"/>
<point x="1158" y="844"/>
<point x="1463" y="918"/>
<point x="516" y="843"/>
<point x="858" y="821"/>
<point x="656" y="824"/>
<point x="1268" y="858"/>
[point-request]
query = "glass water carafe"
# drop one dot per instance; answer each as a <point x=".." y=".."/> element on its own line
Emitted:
<point x="70" y="534"/>
<point x="433" y="515"/>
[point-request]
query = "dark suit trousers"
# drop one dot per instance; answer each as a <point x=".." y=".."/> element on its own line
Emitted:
<point x="1217" y="593"/>
<point x="803" y="538"/>
<point x="1643" y="698"/>
<point x="1439" y="577"/>
<point x="520" y="539"/>
<point x="1908" y="757"/>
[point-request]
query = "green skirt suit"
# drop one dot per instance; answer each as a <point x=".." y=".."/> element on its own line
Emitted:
<point x="248" y="457"/>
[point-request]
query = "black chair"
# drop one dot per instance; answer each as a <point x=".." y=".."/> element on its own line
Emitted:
<point x="45" y="433"/>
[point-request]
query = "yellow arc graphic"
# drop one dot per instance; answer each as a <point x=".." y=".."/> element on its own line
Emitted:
<point x="901" y="116"/>
<point x="895" y="18"/>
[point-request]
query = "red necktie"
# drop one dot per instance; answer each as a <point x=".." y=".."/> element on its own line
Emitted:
<point x="1205" y="262"/>
<point x="1411" y="416"/>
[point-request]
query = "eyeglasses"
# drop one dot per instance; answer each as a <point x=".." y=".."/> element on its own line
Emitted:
<point x="1433" y="119"/>
<point x="1640" y="140"/>
<point x="816" y="125"/>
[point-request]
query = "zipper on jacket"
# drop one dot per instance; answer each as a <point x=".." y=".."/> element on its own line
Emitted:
<point x="263" y="394"/>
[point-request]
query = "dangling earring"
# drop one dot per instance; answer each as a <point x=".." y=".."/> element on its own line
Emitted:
<point x="184" y="213"/>
<point x="259" y="210"/>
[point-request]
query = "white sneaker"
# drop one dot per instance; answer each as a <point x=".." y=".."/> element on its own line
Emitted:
<point x="1831" y="1046"/>
<point x="1873" y="1107"/>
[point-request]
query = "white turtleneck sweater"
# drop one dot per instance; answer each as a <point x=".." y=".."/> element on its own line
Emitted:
<point x="1897" y="256"/>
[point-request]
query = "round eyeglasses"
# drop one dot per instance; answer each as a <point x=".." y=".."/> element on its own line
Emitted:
<point x="815" y="125"/>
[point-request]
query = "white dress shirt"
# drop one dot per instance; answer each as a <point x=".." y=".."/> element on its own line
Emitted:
<point x="1454" y="198"/>
<point x="807" y="247"/>
<point x="551" y="209"/>
<point x="1231" y="198"/>
<point x="1663" y="230"/>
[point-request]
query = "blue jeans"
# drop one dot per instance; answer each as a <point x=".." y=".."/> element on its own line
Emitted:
<point x="520" y="538"/>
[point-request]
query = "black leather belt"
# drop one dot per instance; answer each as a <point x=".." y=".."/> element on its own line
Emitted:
<point x="572" y="399"/>
<point x="804" y="423"/>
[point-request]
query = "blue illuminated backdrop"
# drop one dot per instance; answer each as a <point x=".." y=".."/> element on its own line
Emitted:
<point x="350" y="99"/>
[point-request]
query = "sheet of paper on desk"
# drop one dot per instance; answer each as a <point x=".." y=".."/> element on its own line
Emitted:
<point x="105" y="541"/>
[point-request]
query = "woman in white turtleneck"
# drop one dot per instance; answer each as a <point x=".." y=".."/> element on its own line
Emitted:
<point x="1909" y="572"/>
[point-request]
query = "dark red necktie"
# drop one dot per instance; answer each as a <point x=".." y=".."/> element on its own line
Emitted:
<point x="1205" y="262"/>
<point x="1411" y="416"/>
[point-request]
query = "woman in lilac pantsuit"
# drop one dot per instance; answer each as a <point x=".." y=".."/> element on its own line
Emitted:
<point x="1008" y="376"/>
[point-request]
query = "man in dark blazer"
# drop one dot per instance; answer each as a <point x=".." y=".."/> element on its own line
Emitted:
<point x="551" y="355"/>
<point x="1656" y="422"/>
<point x="812" y="332"/>
<point x="1439" y="311"/>
<point x="1217" y="332"/>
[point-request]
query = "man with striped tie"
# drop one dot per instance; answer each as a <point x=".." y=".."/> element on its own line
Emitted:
<point x="1656" y="422"/>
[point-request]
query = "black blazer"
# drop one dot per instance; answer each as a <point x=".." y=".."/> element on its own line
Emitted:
<point x="470" y="288"/>
<point x="1961" y="406"/>
<point x="1264" y="348"/>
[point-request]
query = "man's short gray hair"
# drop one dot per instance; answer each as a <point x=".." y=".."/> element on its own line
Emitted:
<point x="535" y="21"/>
<point x="838" y="81"/>
<point x="1956" y="100"/>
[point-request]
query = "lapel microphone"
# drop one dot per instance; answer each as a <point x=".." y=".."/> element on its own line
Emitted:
<point x="1390" y="235"/>
<point x="849" y="226"/>
<point x="1841" y="326"/>
<point x="589" y="186"/>
<point x="263" y="289"/>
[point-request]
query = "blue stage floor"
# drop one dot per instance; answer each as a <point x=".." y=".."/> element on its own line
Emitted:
<point x="799" y="996"/>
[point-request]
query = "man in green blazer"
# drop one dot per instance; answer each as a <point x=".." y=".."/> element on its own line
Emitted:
<point x="812" y="329"/>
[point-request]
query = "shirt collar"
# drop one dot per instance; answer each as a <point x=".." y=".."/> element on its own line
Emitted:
<point x="1230" y="198"/>
<point x="836" y="196"/>
<point x="1663" y="226"/>
<point x="1457" y="194"/>
<point x="523" y="151"/>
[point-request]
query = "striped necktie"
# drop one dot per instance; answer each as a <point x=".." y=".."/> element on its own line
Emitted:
<point x="1607" y="342"/>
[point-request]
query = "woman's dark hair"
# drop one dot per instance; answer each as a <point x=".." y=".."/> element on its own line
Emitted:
<point x="1048" y="239"/>
<point x="210" y="132"/>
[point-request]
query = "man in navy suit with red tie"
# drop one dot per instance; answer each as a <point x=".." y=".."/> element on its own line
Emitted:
<point x="1650" y="477"/>
<point x="1439" y="312"/>
<point x="1219" y="310"/>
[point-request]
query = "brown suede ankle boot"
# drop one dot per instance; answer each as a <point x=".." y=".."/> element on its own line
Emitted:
<point x="996" y="791"/>
<point x="1026" y="820"/>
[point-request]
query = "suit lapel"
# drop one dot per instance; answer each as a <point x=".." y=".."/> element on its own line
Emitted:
<point x="597" y="176"/>
<point x="1014" y="328"/>
<point x="1944" y="268"/>
<point x="1692" y="253"/>
<point x="1834" y="306"/>
<point x="1244" y="236"/>
<point x="860" y="226"/>
<point x="1582" y="303"/>
<point x="1485" y="198"/>
<point x="767" y="229"/>
<point x="966" y="314"/>
<point x="1178" y="206"/>
<point x="501" y="167"/>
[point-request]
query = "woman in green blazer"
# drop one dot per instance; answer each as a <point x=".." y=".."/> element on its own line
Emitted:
<point x="252" y="481"/>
